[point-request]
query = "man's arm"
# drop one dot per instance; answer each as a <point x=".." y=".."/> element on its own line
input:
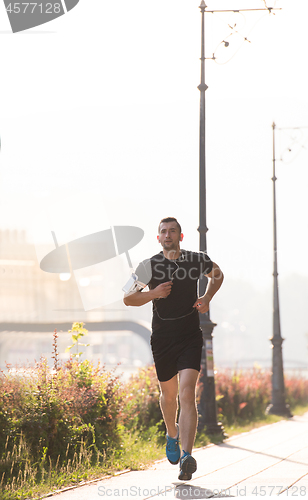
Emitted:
<point x="140" y="298"/>
<point x="216" y="278"/>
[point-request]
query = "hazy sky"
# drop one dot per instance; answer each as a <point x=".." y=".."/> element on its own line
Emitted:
<point x="100" y="117"/>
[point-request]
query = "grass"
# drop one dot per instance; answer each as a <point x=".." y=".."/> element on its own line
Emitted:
<point x="136" y="454"/>
<point x="79" y="424"/>
<point x="202" y="439"/>
<point x="268" y="419"/>
<point x="41" y="478"/>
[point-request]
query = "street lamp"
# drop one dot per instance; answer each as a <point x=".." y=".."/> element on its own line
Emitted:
<point x="207" y="404"/>
<point x="278" y="404"/>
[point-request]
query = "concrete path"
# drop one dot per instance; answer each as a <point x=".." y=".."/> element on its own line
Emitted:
<point x="266" y="462"/>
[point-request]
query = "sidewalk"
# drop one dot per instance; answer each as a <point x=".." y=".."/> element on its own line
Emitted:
<point x="266" y="462"/>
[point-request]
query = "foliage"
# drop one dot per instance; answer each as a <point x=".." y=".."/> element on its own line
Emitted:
<point x="243" y="395"/>
<point x="78" y="331"/>
<point x="296" y="388"/>
<point x="52" y="418"/>
<point x="74" y="421"/>
<point x="140" y="401"/>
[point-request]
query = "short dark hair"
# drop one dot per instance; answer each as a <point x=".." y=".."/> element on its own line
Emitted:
<point x="170" y="219"/>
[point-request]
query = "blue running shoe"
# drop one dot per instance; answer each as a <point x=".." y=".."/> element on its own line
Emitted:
<point x="188" y="466"/>
<point x="173" y="451"/>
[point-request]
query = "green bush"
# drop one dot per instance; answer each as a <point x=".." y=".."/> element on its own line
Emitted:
<point x="243" y="395"/>
<point x="296" y="388"/>
<point x="59" y="413"/>
<point x="141" y="408"/>
<point x="78" y="415"/>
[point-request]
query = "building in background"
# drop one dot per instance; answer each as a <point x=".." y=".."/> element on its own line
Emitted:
<point x="33" y="303"/>
<point x="29" y="295"/>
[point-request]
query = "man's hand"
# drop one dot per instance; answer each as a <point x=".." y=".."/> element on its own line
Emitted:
<point x="215" y="279"/>
<point x="140" y="298"/>
<point x="163" y="290"/>
<point x="202" y="304"/>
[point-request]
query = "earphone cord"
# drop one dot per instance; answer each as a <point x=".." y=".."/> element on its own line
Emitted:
<point x="172" y="319"/>
<point x="179" y="317"/>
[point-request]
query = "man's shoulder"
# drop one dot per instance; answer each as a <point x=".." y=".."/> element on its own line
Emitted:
<point x="191" y="256"/>
<point x="155" y="258"/>
<point x="158" y="257"/>
<point x="144" y="268"/>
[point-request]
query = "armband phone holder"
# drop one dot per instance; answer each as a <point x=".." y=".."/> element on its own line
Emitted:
<point x="133" y="285"/>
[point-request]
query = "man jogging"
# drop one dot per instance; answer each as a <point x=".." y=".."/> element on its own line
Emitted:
<point x="172" y="277"/>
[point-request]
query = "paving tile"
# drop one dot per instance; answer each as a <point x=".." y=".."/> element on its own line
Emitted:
<point x="260" y="463"/>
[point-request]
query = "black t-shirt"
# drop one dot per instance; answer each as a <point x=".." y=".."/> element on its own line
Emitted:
<point x="175" y="313"/>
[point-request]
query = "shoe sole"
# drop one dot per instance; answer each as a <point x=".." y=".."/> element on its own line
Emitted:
<point x="174" y="463"/>
<point x="188" y="467"/>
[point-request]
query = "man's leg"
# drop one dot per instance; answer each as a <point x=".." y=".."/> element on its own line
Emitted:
<point x="169" y="404"/>
<point x="169" y="408"/>
<point x="188" y="408"/>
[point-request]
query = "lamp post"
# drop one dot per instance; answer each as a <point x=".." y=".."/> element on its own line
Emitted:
<point x="207" y="403"/>
<point x="278" y="405"/>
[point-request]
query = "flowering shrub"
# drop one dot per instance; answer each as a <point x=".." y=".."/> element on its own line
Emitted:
<point x="296" y="390"/>
<point x="57" y="414"/>
<point x="141" y="401"/>
<point x="79" y="412"/>
<point x="243" y="395"/>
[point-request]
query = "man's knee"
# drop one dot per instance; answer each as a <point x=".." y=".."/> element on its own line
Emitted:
<point x="168" y="393"/>
<point x="188" y="395"/>
<point x="168" y="396"/>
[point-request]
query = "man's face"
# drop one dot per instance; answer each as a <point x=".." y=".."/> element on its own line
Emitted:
<point x="169" y="236"/>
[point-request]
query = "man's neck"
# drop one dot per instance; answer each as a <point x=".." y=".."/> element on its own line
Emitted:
<point x="172" y="254"/>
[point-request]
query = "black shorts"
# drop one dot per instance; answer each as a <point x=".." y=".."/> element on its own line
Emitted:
<point x="174" y="354"/>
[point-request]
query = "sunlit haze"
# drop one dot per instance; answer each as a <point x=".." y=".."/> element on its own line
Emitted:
<point x="100" y="121"/>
